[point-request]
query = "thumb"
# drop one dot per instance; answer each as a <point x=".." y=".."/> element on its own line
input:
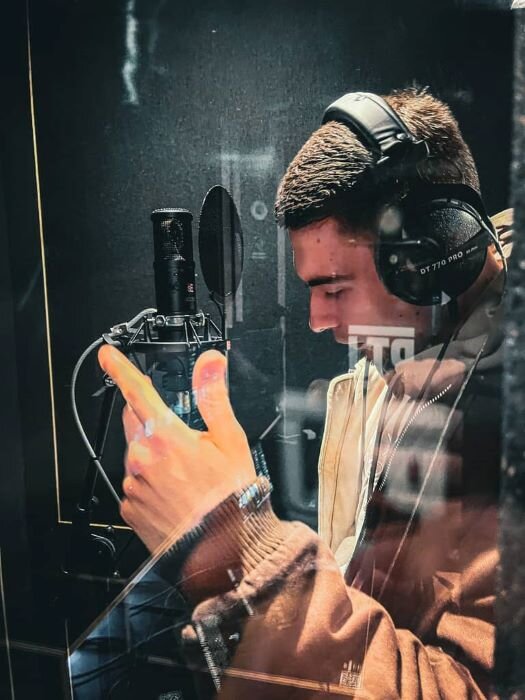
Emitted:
<point x="211" y="394"/>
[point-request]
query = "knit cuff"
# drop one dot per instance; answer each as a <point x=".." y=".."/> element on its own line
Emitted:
<point x="231" y="541"/>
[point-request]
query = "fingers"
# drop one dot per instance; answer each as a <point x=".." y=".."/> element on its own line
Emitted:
<point x="138" y="460"/>
<point x="133" y="428"/>
<point x="209" y="385"/>
<point x="137" y="389"/>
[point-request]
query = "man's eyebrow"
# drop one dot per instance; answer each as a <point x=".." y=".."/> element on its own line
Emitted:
<point x="317" y="281"/>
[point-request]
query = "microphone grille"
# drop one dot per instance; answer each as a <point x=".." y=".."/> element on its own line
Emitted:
<point x="172" y="233"/>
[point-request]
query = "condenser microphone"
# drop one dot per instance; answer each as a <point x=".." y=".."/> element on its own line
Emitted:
<point x="177" y="321"/>
<point x="165" y="342"/>
<point x="174" y="268"/>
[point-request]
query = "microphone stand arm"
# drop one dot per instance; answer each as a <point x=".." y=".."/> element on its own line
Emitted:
<point x="90" y="552"/>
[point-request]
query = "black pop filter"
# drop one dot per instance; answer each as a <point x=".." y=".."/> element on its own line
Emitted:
<point x="220" y="243"/>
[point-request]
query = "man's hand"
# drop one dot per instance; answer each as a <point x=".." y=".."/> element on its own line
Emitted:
<point x="175" y="475"/>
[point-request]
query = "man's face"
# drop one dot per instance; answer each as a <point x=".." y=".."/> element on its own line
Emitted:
<point x="345" y="289"/>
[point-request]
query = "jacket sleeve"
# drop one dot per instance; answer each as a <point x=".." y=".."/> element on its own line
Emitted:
<point x="273" y="618"/>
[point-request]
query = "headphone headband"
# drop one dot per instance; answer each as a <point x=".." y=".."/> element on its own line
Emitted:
<point x="378" y="127"/>
<point x="432" y="250"/>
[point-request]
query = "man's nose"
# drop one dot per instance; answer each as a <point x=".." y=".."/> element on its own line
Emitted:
<point x="323" y="312"/>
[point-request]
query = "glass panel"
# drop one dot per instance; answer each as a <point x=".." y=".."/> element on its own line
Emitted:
<point x="304" y="497"/>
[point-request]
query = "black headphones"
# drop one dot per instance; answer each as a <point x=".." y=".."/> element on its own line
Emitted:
<point x="433" y="239"/>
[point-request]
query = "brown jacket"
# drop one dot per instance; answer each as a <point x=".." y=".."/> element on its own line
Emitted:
<point x="394" y="597"/>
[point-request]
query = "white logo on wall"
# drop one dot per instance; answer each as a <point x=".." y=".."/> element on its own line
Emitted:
<point x="397" y="341"/>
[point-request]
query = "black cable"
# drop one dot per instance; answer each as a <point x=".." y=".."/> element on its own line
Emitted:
<point x="135" y="609"/>
<point x="92" y="673"/>
<point x="125" y="546"/>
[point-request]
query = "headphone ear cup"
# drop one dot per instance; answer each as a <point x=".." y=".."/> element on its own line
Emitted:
<point x="431" y="263"/>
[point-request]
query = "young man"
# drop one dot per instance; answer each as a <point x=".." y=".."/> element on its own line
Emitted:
<point x="394" y="597"/>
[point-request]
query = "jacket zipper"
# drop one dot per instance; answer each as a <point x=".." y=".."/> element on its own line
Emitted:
<point x="399" y="440"/>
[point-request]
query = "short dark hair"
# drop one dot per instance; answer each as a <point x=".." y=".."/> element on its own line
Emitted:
<point x="319" y="181"/>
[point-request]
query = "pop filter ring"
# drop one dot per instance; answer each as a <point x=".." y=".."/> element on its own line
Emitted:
<point x="221" y="246"/>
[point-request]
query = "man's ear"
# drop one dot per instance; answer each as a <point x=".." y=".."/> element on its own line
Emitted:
<point x="503" y="222"/>
<point x="494" y="253"/>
